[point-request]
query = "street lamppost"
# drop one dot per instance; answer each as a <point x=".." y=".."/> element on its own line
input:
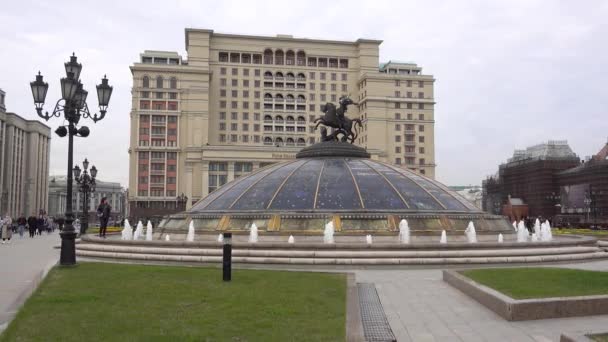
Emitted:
<point x="554" y="199"/>
<point x="73" y="106"/>
<point x="588" y="202"/>
<point x="86" y="185"/>
<point x="181" y="201"/>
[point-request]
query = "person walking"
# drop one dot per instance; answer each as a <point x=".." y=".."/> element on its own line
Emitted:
<point x="21" y="223"/>
<point x="40" y="224"/>
<point x="103" y="213"/>
<point x="7" y="231"/>
<point x="31" y="224"/>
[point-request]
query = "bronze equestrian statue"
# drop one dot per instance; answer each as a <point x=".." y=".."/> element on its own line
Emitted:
<point x="336" y="118"/>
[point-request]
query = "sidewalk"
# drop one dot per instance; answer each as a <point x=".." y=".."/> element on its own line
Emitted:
<point x="421" y="307"/>
<point x="21" y="264"/>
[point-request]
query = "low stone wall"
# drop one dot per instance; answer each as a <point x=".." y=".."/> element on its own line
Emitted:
<point x="527" y="309"/>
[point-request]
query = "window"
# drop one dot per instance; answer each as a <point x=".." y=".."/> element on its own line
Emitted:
<point x="222" y="104"/>
<point x="311" y="108"/>
<point x="311" y="75"/>
<point x="344" y="77"/>
<point x="333" y="98"/>
<point x="397" y="116"/>
<point x="334" y="77"/>
<point x="235" y="71"/>
<point x="143" y="180"/>
<point x="397" y="93"/>
<point x="222" y="126"/>
<point x="233" y="127"/>
<point x="256" y="116"/>
<point x="397" y="138"/>
<point x="145" y="94"/>
<point x="420" y="95"/>
<point x="245" y="138"/>
<point x="223" y="92"/>
<point x="323" y="97"/>
<point x="323" y="76"/>
<point x="397" y="149"/>
<point x="344" y="88"/>
<point x="222" y="115"/>
<point x="159" y="82"/>
<point x="173" y="83"/>
<point x="143" y="155"/>
<point x="311" y="97"/>
<point x="311" y="86"/>
<point x="398" y="161"/>
<point x="235" y="83"/>
<point x="245" y="83"/>
<point x="234" y="138"/>
<point x="421" y="150"/>
<point x="245" y="127"/>
<point x="173" y="96"/>
<point x="146" y="82"/>
<point x="256" y="83"/>
<point x="397" y="105"/>
<point x="144" y="131"/>
<point x="234" y="93"/>
<point x="409" y="116"/>
<point x="408" y="83"/>
<point x="420" y="84"/>
<point x="397" y="127"/>
<point x="421" y="161"/>
<point x="170" y="180"/>
<point x="172" y="155"/>
<point x="409" y="106"/>
<point x="222" y="82"/>
<point x="245" y="116"/>
<point x="234" y="104"/>
<point x="334" y="87"/>
<point x="245" y="72"/>
<point x="222" y="71"/>
<point x="397" y="83"/>
<point x="245" y="105"/>
<point x="144" y="105"/>
<point x="421" y="106"/>
<point x="421" y="139"/>
<point x="323" y="87"/>
<point x="222" y="137"/>
<point x="420" y="128"/>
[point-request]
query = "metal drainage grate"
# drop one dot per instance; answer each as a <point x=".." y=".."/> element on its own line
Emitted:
<point x="375" y="324"/>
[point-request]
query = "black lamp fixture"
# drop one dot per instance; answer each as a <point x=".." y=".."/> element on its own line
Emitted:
<point x="86" y="185"/>
<point x="73" y="106"/>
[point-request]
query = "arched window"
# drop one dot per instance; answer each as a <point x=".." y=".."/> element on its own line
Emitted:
<point x="159" y="82"/>
<point x="267" y="118"/>
<point x="146" y="82"/>
<point x="301" y="98"/>
<point x="289" y="98"/>
<point x="301" y="142"/>
<point x="279" y="75"/>
<point x="278" y="141"/>
<point x="290" y="119"/>
<point x="301" y="119"/>
<point x="301" y="59"/>
<point x="301" y="77"/>
<point x="278" y="57"/>
<point x="290" y="76"/>
<point x="290" y="142"/>
<point x="278" y="97"/>
<point x="268" y="96"/>
<point x="290" y="58"/>
<point x="173" y="83"/>
<point x="268" y="56"/>
<point x="267" y="141"/>
<point x="268" y="75"/>
<point x="278" y="119"/>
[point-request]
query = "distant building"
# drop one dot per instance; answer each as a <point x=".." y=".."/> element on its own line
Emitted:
<point x="241" y="102"/>
<point x="114" y="193"/>
<point x="472" y="193"/>
<point x="24" y="163"/>
<point x="531" y="177"/>
<point x="584" y="191"/>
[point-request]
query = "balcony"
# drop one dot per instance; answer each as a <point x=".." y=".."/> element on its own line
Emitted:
<point x="409" y="143"/>
<point x="267" y="77"/>
<point x="409" y="154"/>
<point x="410" y="131"/>
<point x="301" y="100"/>
<point x="279" y="78"/>
<point x="157" y="172"/>
<point x="301" y="79"/>
<point x="289" y="100"/>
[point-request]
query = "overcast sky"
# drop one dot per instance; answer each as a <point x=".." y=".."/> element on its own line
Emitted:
<point x="509" y="74"/>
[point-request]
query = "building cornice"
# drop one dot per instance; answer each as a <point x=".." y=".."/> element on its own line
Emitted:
<point x="168" y="68"/>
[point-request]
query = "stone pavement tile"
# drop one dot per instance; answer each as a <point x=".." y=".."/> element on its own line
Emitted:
<point x="398" y="328"/>
<point x="420" y="333"/>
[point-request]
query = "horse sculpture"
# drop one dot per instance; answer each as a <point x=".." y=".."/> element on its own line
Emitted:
<point x="335" y="118"/>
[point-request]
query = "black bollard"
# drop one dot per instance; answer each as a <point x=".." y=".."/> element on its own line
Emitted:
<point x="227" y="257"/>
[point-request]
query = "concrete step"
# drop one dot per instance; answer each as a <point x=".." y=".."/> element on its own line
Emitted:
<point x="312" y="253"/>
<point x="342" y="261"/>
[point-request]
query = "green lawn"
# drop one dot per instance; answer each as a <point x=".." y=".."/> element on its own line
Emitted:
<point x="580" y="231"/>
<point x="537" y="282"/>
<point x="114" y="302"/>
<point x="599" y="338"/>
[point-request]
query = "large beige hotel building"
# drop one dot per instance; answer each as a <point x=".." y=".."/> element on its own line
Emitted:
<point x="241" y="102"/>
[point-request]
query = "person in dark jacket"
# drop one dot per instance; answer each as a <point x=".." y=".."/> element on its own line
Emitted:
<point x="31" y="222"/>
<point x="21" y="223"/>
<point x="40" y="224"/>
<point x="103" y="213"/>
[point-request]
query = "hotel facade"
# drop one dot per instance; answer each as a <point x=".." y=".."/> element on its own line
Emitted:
<point x="239" y="103"/>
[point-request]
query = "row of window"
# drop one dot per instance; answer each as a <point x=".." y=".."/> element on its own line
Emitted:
<point x="157" y="167"/>
<point x="409" y="127"/>
<point x="409" y="138"/>
<point x="144" y="155"/>
<point x="279" y="57"/>
<point x="158" y="105"/>
<point x="411" y="161"/>
<point x="160" y="82"/>
<point x="408" y="83"/>
<point x="160" y="119"/>
<point x="159" y="95"/>
<point x="409" y="149"/>
<point x="156" y="192"/>
<point x="158" y="131"/>
<point x="409" y="94"/>
<point x="409" y="116"/>
<point x="157" y="143"/>
<point x="267" y="128"/>
<point x="235" y="138"/>
<point x="156" y="179"/>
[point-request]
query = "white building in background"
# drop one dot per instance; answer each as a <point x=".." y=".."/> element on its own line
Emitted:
<point x="473" y="193"/>
<point x="113" y="191"/>
<point x="24" y="163"/>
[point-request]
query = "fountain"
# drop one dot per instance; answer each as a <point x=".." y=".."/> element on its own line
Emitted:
<point x="404" y="232"/>
<point x="149" y="231"/>
<point x="190" y="236"/>
<point x="368" y="239"/>
<point x="328" y="233"/>
<point x="500" y="238"/>
<point x="167" y="238"/>
<point x="291" y="239"/>
<point x="537" y="227"/>
<point x="444" y="237"/>
<point x="220" y="238"/>
<point x="548" y="233"/>
<point x="534" y="237"/>
<point x="139" y="231"/>
<point x="253" y="233"/>
<point x="522" y="233"/>
<point x="470" y="233"/>
<point x="127" y="231"/>
<point x="515" y="225"/>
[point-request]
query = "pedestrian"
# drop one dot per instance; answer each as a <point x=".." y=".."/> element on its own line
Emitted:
<point x="21" y="223"/>
<point x="40" y="224"/>
<point x="103" y="213"/>
<point x="7" y="232"/>
<point x="31" y="223"/>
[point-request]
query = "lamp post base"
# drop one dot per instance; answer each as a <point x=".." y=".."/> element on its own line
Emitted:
<point x="68" y="248"/>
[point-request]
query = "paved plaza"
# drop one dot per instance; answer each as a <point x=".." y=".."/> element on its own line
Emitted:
<point x="420" y="306"/>
<point x="21" y="265"/>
